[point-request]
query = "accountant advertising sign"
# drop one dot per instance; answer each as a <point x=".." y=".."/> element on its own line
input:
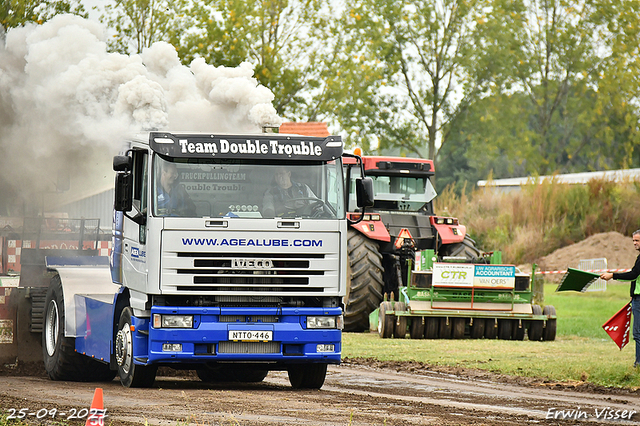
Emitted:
<point x="465" y="275"/>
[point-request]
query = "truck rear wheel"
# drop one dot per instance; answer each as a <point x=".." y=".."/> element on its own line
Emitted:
<point x="467" y="248"/>
<point x="307" y="376"/>
<point x="365" y="281"/>
<point x="131" y="375"/>
<point x="61" y="361"/>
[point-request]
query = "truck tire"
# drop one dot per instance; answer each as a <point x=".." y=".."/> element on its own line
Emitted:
<point x="467" y="248"/>
<point x="400" y="329"/>
<point x="307" y="376"/>
<point x="386" y="323"/>
<point x="61" y="361"/>
<point x="365" y="282"/>
<point x="476" y="329"/>
<point x="549" y="333"/>
<point x="131" y="375"/>
<point x="536" y="327"/>
<point x="416" y="329"/>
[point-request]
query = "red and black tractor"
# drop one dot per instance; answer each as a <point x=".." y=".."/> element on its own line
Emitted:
<point x="402" y="222"/>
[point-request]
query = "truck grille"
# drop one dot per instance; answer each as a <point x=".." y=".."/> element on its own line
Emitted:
<point x="249" y="347"/>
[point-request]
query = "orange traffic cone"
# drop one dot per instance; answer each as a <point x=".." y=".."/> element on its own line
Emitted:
<point x="97" y="411"/>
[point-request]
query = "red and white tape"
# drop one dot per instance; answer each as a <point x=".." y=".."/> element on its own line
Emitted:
<point x="586" y="270"/>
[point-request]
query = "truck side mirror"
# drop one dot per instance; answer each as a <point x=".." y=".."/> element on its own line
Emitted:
<point x="122" y="163"/>
<point x="364" y="192"/>
<point x="123" y="199"/>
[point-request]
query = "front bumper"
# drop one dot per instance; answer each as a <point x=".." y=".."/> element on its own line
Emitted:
<point x="208" y="341"/>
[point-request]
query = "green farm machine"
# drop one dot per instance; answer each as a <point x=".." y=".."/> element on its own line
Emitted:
<point x="413" y="271"/>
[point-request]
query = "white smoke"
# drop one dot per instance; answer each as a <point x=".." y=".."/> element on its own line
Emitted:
<point x="67" y="103"/>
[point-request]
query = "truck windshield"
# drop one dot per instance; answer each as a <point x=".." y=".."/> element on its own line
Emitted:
<point x="402" y="193"/>
<point x="244" y="189"/>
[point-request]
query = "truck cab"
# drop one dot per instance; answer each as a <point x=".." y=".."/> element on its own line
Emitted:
<point x="228" y="257"/>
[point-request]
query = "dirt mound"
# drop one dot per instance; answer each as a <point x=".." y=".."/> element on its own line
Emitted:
<point x="615" y="247"/>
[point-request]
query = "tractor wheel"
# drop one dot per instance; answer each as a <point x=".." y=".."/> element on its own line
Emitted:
<point x="61" y="361"/>
<point x="536" y="327"/>
<point x="386" y="323"/>
<point x="444" y="331"/>
<point x="490" y="329"/>
<point x="400" y="329"/>
<point x="476" y="330"/>
<point x="307" y="376"/>
<point x="458" y="325"/>
<point x="431" y="327"/>
<point x="364" y="282"/>
<point x="416" y="328"/>
<point x="518" y="330"/>
<point x="467" y="248"/>
<point x="550" y="329"/>
<point x="131" y="375"/>
<point x="504" y="329"/>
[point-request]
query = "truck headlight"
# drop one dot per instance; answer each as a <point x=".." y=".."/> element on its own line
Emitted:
<point x="323" y="322"/>
<point x="172" y="321"/>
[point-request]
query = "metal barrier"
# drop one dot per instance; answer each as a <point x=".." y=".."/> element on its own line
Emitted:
<point x="595" y="265"/>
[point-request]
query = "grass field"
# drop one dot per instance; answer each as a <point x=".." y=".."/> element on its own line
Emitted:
<point x="582" y="350"/>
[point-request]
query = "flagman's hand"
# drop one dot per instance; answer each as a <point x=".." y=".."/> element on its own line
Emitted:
<point x="606" y="276"/>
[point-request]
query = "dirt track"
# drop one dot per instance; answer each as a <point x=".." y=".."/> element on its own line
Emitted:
<point x="353" y="395"/>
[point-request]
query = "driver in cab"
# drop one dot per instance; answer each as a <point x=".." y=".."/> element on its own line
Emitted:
<point x="172" y="198"/>
<point x="285" y="196"/>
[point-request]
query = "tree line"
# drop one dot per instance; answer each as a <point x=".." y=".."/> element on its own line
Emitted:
<point x="486" y="88"/>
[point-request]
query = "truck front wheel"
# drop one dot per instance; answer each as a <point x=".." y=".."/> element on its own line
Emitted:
<point x="131" y="375"/>
<point x="307" y="376"/>
<point x="61" y="361"/>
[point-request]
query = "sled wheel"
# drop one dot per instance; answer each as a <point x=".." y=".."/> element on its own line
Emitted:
<point x="518" y="330"/>
<point x="458" y="325"/>
<point x="536" y="327"/>
<point x="490" y="329"/>
<point x="307" y="376"/>
<point x="416" y="328"/>
<point x="131" y="375"/>
<point x="400" y="329"/>
<point x="365" y="281"/>
<point x="431" y="325"/>
<point x="476" y="330"/>
<point x="444" y="329"/>
<point x="504" y="329"/>
<point x="61" y="361"/>
<point x="549" y="333"/>
<point x="386" y="323"/>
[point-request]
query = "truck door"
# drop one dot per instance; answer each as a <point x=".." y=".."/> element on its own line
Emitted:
<point x="135" y="234"/>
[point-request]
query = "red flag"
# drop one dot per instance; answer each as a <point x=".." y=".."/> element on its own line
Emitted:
<point x="619" y="325"/>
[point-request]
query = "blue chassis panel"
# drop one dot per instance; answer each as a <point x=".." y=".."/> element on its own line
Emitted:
<point x="297" y="343"/>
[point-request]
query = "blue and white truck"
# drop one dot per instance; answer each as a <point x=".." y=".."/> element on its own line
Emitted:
<point x="218" y="285"/>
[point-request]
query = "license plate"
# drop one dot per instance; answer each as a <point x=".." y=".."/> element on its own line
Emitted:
<point x="250" y="335"/>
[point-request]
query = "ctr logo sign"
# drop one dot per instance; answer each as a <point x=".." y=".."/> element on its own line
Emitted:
<point x="452" y="275"/>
